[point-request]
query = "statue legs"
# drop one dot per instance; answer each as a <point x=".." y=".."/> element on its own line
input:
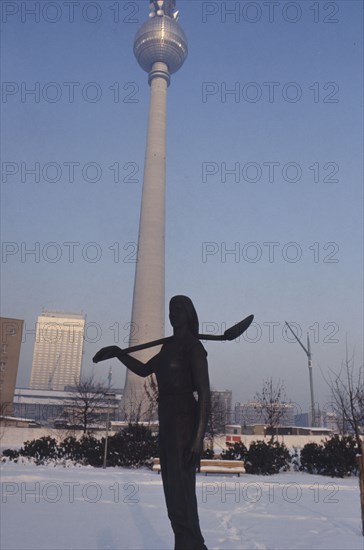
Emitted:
<point x="177" y="418"/>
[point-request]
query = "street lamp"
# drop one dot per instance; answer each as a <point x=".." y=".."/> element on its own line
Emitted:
<point x="110" y="396"/>
<point x="309" y="357"/>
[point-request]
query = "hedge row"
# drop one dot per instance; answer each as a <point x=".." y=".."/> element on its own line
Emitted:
<point x="135" y="446"/>
<point x="132" y="447"/>
<point x="335" y="457"/>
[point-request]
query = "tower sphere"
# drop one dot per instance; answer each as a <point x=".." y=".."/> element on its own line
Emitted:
<point x="160" y="39"/>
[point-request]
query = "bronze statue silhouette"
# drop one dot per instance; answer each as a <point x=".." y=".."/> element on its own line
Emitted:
<point x="180" y="369"/>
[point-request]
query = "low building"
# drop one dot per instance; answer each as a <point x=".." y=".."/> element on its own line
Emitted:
<point x="48" y="407"/>
<point x="13" y="421"/>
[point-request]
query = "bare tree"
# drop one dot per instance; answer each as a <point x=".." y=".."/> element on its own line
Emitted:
<point x="347" y="395"/>
<point x="151" y="392"/>
<point x="270" y="403"/>
<point x="217" y="419"/>
<point x="86" y="403"/>
<point x="139" y="407"/>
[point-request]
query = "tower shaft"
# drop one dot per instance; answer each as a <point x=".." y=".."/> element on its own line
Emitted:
<point x="160" y="48"/>
<point x="149" y="287"/>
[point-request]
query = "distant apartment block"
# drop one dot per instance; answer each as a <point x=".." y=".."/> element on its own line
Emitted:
<point x="221" y="405"/>
<point x="11" y="336"/>
<point x="252" y="413"/>
<point x="57" y="356"/>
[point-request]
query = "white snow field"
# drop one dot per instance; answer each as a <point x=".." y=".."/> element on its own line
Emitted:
<point x="46" y="507"/>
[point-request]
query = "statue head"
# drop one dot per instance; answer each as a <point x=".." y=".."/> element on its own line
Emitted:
<point x="185" y="304"/>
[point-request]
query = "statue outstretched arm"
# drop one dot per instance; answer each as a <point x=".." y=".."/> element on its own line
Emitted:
<point x="133" y="364"/>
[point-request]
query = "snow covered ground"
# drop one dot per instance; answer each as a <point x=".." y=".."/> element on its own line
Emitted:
<point x="45" y="507"/>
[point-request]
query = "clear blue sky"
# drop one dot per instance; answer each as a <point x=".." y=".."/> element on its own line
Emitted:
<point x="292" y="212"/>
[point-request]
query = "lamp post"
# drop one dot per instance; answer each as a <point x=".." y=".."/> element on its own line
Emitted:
<point x="309" y="358"/>
<point x="109" y="396"/>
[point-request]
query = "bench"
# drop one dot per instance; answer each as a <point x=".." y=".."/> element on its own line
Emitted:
<point x="215" y="466"/>
<point x="156" y="465"/>
<point x="212" y="466"/>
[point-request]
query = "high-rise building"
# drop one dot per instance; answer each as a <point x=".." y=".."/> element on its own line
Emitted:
<point x="57" y="357"/>
<point x="160" y="47"/>
<point x="221" y="405"/>
<point x="11" y="336"/>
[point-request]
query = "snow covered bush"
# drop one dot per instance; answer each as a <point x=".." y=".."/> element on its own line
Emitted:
<point x="41" y="450"/>
<point x="335" y="457"/>
<point x="311" y="458"/>
<point x="340" y="456"/>
<point x="208" y="454"/>
<point x="267" y="458"/>
<point x="234" y="451"/>
<point x="133" y="447"/>
<point x="71" y="448"/>
<point x="91" y="451"/>
<point x="11" y="454"/>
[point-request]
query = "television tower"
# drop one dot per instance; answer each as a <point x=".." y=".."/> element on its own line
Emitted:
<point x="160" y="47"/>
